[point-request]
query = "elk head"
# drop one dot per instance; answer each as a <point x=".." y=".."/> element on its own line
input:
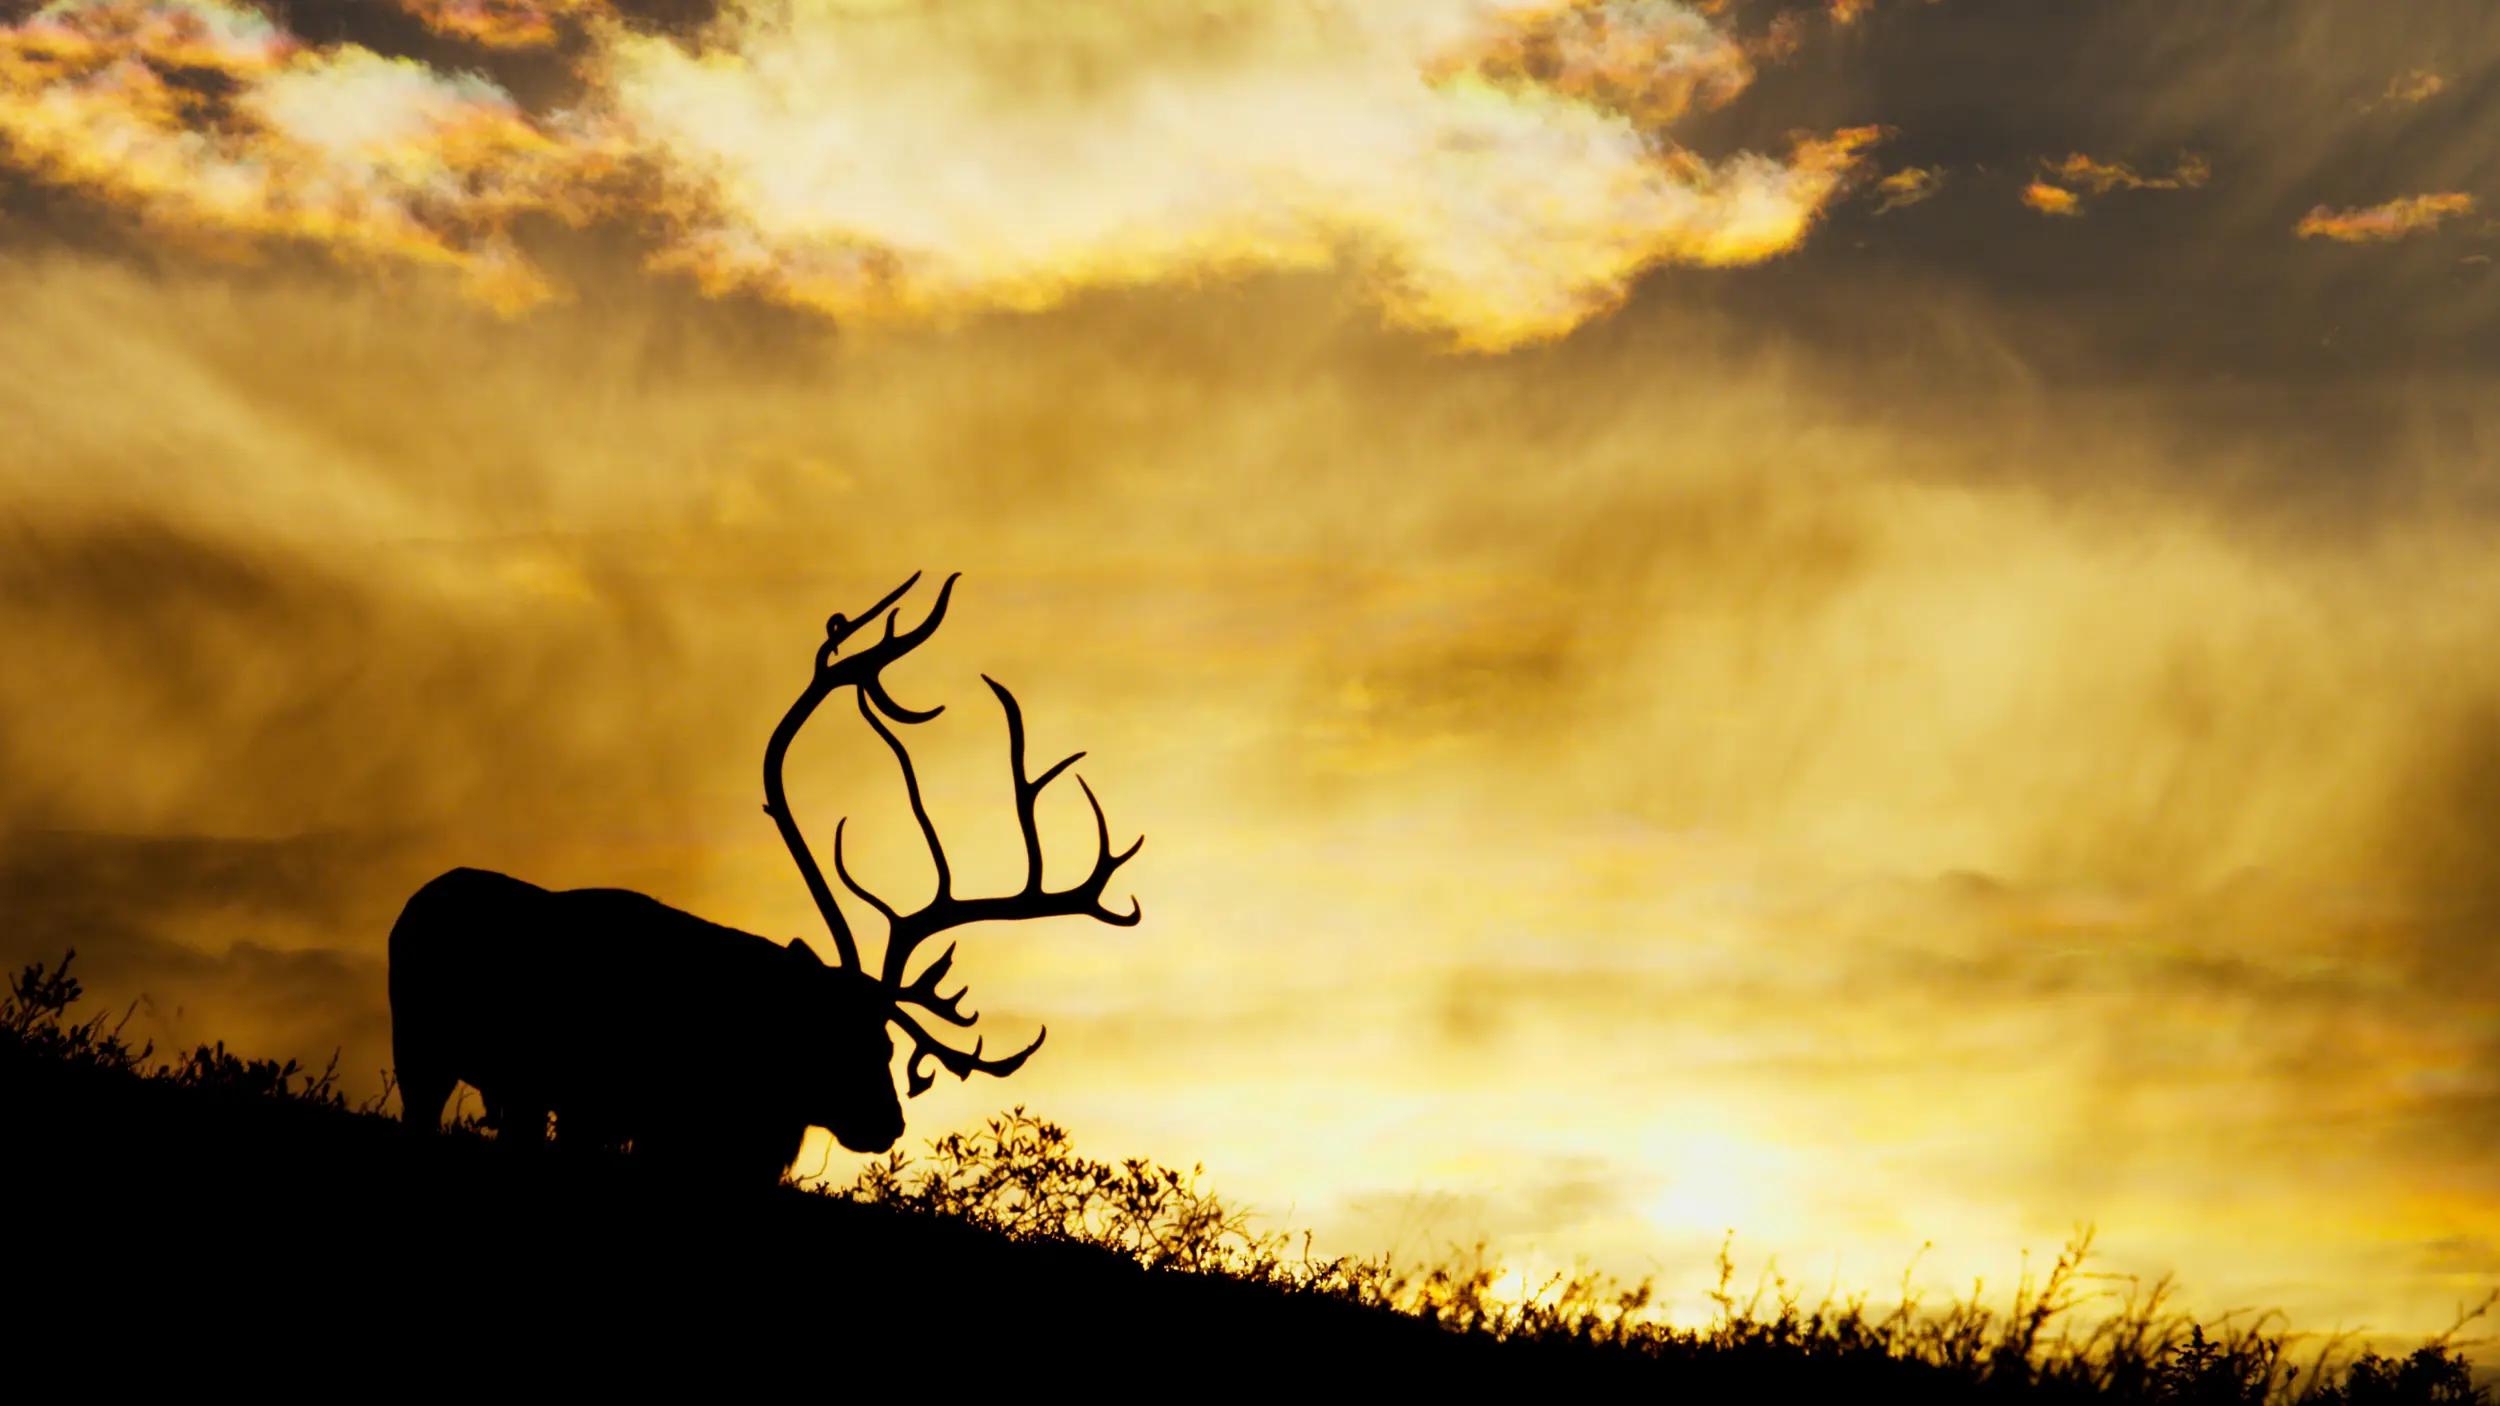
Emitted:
<point x="834" y="1053"/>
<point x="859" y="1002"/>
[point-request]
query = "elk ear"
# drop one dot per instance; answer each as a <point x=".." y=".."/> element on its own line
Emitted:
<point x="798" y="948"/>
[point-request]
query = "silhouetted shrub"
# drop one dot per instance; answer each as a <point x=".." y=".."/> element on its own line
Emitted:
<point x="35" y="1023"/>
<point x="1020" y="1175"/>
<point x="213" y="1068"/>
<point x="2431" y="1374"/>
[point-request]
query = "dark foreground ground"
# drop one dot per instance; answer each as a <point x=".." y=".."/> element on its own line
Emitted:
<point x="237" y="1231"/>
<point x="202" y="1233"/>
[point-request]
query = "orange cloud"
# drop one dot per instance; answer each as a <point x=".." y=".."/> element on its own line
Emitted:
<point x="1496" y="173"/>
<point x="2052" y="200"/>
<point x="1847" y="11"/>
<point x="2383" y="223"/>
<point x="1780" y="39"/>
<point x="1908" y="186"/>
<point x="503" y="24"/>
<point x="208" y="121"/>
<point x="2062" y="192"/>
<point x="1500" y="176"/>
<point x="1653" y="63"/>
<point x="2102" y="177"/>
<point x="2415" y="86"/>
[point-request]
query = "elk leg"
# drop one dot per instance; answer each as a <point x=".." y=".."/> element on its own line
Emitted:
<point x="777" y="1152"/>
<point x="524" y="1125"/>
<point x="422" y="1093"/>
<point x="583" y="1132"/>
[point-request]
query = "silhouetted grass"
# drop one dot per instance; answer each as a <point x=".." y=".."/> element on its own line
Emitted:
<point x="1019" y="1176"/>
<point x="1006" y="1234"/>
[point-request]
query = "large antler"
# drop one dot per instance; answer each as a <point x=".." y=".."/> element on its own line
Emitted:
<point x="946" y="910"/>
<point x="864" y="670"/>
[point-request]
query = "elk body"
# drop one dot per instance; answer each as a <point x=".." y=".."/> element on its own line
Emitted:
<point x="709" y="1048"/>
<point x="632" y="1020"/>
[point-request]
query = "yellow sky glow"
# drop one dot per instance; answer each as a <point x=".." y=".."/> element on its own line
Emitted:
<point x="1653" y="775"/>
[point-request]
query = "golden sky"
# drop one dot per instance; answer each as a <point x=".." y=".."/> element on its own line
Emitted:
<point x="1688" y="660"/>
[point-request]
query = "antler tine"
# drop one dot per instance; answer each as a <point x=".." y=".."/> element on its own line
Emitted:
<point x="1026" y="790"/>
<point x="1106" y="863"/>
<point x="1030" y="791"/>
<point x="923" y="992"/>
<point x="867" y="668"/>
<point x="963" y="1066"/>
<point x="831" y="672"/>
<point x="840" y="627"/>
<point x="945" y="910"/>
<point x="884" y="909"/>
<point x="898" y="948"/>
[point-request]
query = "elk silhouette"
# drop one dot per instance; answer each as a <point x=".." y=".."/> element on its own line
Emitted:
<point x="707" y="1048"/>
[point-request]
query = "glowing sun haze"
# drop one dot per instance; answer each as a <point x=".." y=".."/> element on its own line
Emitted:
<point x="1687" y="660"/>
